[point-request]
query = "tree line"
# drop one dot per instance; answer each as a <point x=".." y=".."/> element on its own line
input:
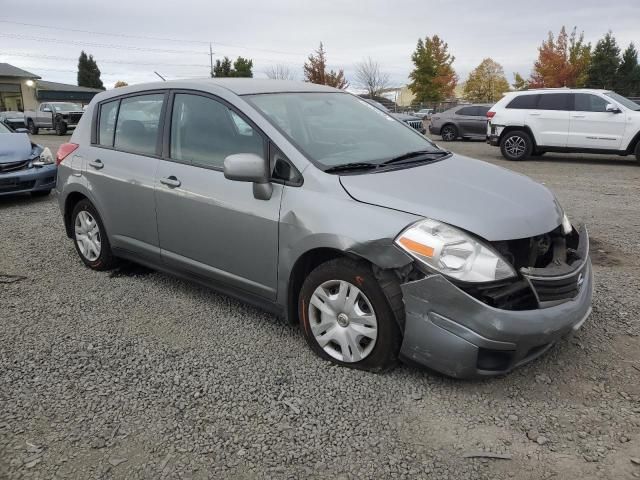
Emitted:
<point x="565" y="60"/>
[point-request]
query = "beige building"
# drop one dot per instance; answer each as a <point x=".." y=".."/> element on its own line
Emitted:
<point x="21" y="90"/>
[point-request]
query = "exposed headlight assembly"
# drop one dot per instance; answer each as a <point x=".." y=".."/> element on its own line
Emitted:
<point x="453" y="253"/>
<point x="45" y="158"/>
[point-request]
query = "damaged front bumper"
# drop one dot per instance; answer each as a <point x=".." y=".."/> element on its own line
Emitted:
<point x="448" y="330"/>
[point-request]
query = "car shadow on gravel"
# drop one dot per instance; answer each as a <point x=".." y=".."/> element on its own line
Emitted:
<point x="629" y="161"/>
<point x="20" y="199"/>
<point x="130" y="269"/>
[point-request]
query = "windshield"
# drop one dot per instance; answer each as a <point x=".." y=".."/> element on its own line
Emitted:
<point x="67" y="107"/>
<point x="625" y="102"/>
<point x="4" y="129"/>
<point x="334" y="129"/>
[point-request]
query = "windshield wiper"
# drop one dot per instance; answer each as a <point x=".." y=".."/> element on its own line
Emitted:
<point x="417" y="156"/>
<point x="351" y="166"/>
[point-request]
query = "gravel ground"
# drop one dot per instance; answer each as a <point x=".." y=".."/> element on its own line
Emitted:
<point x="135" y="374"/>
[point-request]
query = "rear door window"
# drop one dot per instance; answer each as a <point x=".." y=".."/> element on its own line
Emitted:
<point x="524" y="102"/>
<point x="204" y="132"/>
<point x="586" y="102"/>
<point x="481" y="111"/>
<point x="107" y="123"/>
<point x="554" y="101"/>
<point x="138" y="123"/>
<point x="466" y="111"/>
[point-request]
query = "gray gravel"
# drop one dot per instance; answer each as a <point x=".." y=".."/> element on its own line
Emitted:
<point x="135" y="374"/>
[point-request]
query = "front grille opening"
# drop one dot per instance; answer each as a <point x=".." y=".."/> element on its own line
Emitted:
<point x="494" y="360"/>
<point x="507" y="295"/>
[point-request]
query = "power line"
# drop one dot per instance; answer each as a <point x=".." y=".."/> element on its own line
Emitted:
<point x="119" y="62"/>
<point x="100" y="45"/>
<point x="144" y="37"/>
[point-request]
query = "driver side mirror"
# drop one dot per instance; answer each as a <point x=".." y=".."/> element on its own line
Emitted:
<point x="249" y="167"/>
<point x="611" y="108"/>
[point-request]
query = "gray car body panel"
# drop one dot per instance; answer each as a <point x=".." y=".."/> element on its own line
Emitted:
<point x="203" y="229"/>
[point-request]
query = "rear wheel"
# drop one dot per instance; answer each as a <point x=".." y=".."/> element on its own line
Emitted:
<point x="33" y="130"/>
<point x="516" y="145"/>
<point x="347" y="316"/>
<point x="90" y="238"/>
<point x="449" y="133"/>
<point x="638" y="151"/>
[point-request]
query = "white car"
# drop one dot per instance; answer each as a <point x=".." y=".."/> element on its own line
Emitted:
<point x="530" y="123"/>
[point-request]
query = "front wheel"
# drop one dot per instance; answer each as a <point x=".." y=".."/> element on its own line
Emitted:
<point x="90" y="238"/>
<point x="33" y="130"/>
<point x="638" y="152"/>
<point x="61" y="128"/>
<point x="516" y="145"/>
<point x="347" y="315"/>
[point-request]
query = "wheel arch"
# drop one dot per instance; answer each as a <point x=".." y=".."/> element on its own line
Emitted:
<point x="634" y="141"/>
<point x="526" y="128"/>
<point x="69" y="204"/>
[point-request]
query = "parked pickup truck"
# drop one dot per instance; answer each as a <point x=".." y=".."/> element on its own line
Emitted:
<point x="58" y="116"/>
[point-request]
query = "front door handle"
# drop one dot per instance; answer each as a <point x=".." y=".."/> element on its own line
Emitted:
<point x="97" y="164"/>
<point x="578" y="116"/>
<point x="171" y="182"/>
<point x="534" y="114"/>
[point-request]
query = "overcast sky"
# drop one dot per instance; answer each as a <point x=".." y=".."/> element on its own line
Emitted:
<point x="172" y="37"/>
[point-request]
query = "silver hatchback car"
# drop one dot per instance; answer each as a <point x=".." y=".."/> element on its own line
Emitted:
<point x="309" y="202"/>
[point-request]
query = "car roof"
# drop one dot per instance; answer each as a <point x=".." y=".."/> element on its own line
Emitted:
<point x="558" y="90"/>
<point x="239" y="86"/>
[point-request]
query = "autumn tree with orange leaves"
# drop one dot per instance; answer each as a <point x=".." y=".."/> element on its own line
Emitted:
<point x="315" y="71"/>
<point x="433" y="77"/>
<point x="562" y="61"/>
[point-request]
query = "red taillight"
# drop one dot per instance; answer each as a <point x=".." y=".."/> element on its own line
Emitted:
<point x="490" y="114"/>
<point x="64" y="151"/>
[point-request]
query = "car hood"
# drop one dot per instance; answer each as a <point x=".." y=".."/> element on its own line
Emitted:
<point x="489" y="201"/>
<point x="14" y="147"/>
<point x="403" y="117"/>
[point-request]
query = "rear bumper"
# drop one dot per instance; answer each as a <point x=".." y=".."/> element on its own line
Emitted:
<point x="451" y="332"/>
<point x="30" y="180"/>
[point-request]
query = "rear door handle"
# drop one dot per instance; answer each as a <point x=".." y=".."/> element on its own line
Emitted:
<point x="578" y="116"/>
<point x="171" y="182"/>
<point x="534" y="114"/>
<point x="97" y="164"/>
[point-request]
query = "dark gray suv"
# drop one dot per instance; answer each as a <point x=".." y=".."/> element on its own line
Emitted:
<point x="463" y="121"/>
<point x="315" y="205"/>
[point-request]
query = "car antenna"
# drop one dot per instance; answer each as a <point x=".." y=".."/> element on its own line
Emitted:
<point x="163" y="79"/>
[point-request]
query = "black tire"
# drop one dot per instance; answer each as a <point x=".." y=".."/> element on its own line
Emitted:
<point x="385" y="297"/>
<point x="33" y="130"/>
<point x="449" y="133"/>
<point x="105" y="260"/>
<point x="516" y="145"/>
<point x="638" y="152"/>
<point x="41" y="193"/>
<point x="61" y="128"/>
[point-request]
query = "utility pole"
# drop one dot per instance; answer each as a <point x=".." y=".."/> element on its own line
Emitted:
<point x="211" y="59"/>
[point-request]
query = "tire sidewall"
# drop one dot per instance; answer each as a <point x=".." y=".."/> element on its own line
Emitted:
<point x="528" y="145"/>
<point x="385" y="352"/>
<point x="33" y="130"/>
<point x="453" y="130"/>
<point x="638" y="152"/>
<point x="61" y="128"/>
<point x="105" y="259"/>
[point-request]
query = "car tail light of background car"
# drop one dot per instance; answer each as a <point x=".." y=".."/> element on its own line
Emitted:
<point x="490" y="114"/>
<point x="64" y="151"/>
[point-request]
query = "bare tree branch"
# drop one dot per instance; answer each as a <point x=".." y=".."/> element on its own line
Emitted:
<point x="280" y="72"/>
<point x="369" y="77"/>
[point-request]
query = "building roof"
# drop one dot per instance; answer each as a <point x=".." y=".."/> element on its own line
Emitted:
<point x="7" y="70"/>
<point x="64" y="87"/>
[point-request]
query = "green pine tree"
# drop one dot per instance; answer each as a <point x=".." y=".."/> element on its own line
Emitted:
<point x="88" y="72"/>
<point x="242" y="67"/>
<point x="604" y="63"/>
<point x="433" y="77"/>
<point x="628" y="77"/>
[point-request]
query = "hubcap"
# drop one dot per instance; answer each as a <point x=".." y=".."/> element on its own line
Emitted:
<point x="515" y="146"/>
<point x="343" y="321"/>
<point x="88" y="236"/>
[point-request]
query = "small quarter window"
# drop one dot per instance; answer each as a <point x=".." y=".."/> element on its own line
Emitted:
<point x="138" y="124"/>
<point x="524" y="102"/>
<point x="107" y="123"/>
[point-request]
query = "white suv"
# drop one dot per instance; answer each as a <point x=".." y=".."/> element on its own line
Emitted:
<point x="530" y="123"/>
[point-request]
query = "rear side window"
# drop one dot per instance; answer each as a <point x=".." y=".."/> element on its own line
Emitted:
<point x="107" y="123"/>
<point x="554" y="101"/>
<point x="466" y="111"/>
<point x="204" y="132"/>
<point x="482" y="111"/>
<point x="585" y="102"/>
<point x="138" y="124"/>
<point x="524" y="102"/>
